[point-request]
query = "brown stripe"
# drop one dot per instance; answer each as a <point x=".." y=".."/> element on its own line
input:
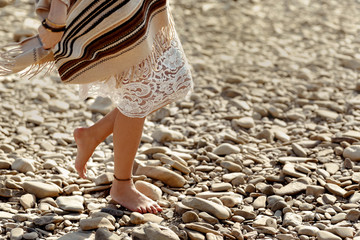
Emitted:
<point x="107" y="39"/>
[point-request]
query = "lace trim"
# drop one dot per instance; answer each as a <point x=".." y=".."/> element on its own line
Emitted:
<point x="163" y="77"/>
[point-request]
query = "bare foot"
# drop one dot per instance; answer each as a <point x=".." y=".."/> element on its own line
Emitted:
<point x="128" y="196"/>
<point x="86" y="145"/>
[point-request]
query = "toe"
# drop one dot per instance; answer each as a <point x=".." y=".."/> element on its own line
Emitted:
<point x="149" y="209"/>
<point x="154" y="210"/>
<point x="139" y="210"/>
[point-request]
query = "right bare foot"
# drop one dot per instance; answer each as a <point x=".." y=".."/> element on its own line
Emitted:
<point x="86" y="145"/>
<point x="125" y="193"/>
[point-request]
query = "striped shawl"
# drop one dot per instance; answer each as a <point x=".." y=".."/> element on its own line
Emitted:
<point x="103" y="38"/>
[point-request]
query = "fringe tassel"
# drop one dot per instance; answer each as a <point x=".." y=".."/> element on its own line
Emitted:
<point x="7" y="57"/>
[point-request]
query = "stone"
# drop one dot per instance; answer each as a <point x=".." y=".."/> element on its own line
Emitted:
<point x="353" y="215"/>
<point x="41" y="190"/>
<point x="6" y="215"/>
<point x="78" y="235"/>
<point x="163" y="174"/>
<point x="16" y="234"/>
<point x="31" y="235"/>
<point x="137" y="218"/>
<point x="104" y="179"/>
<point x="220" y="187"/>
<point x="95" y="223"/>
<point x="335" y="189"/>
<point x="292" y="219"/>
<point x="215" y="209"/>
<point x="245" y="122"/>
<point x="149" y="231"/>
<point x="352" y="152"/>
<point x="259" y="202"/>
<point x="28" y="201"/>
<point x="101" y="105"/>
<point x="344" y="232"/>
<point x="190" y="216"/>
<point x="325" y="235"/>
<point x="71" y="203"/>
<point x="23" y="165"/>
<point x="230" y="201"/>
<point x="45" y="220"/>
<point x="4" y="164"/>
<point x="231" y="166"/>
<point x="164" y="134"/>
<point x="105" y="234"/>
<point x="58" y="106"/>
<point x="150" y="190"/>
<point x="298" y="150"/>
<point x="332" y="168"/>
<point x="314" y="190"/>
<point x="327" y="115"/>
<point x="289" y="169"/>
<point x="225" y="149"/>
<point x="308" y="230"/>
<point x="292" y="188"/>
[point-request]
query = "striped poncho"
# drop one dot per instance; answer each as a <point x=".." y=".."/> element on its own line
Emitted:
<point x="103" y="38"/>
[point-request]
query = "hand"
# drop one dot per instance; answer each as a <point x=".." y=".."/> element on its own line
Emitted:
<point x="49" y="39"/>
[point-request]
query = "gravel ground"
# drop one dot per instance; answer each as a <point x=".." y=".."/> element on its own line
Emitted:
<point x="266" y="147"/>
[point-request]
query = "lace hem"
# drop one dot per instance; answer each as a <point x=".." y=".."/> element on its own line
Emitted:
<point x="163" y="77"/>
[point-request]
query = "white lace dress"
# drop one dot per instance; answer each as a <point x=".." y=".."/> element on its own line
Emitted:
<point x="147" y="87"/>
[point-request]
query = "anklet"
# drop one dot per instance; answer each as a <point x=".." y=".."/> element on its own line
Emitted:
<point x="122" y="180"/>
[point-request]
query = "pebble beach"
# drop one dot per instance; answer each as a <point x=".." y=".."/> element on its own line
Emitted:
<point x="267" y="146"/>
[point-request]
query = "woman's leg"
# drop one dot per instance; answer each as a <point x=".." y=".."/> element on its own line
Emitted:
<point x="127" y="135"/>
<point x="87" y="139"/>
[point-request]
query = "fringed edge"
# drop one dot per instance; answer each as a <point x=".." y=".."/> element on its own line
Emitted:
<point x="7" y="57"/>
<point x="9" y="52"/>
<point x="162" y="42"/>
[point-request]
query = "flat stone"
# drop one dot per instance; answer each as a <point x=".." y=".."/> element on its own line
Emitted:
<point x="245" y="122"/>
<point x="298" y="150"/>
<point x="95" y="223"/>
<point x="332" y="168"/>
<point x="71" y="203"/>
<point x="308" y="230"/>
<point x="259" y="202"/>
<point x="101" y="105"/>
<point x="105" y="234"/>
<point x="16" y="234"/>
<point x="220" y="187"/>
<point x="4" y="164"/>
<point x="292" y="219"/>
<point x="289" y="169"/>
<point x="225" y="149"/>
<point x="163" y="174"/>
<point x="190" y="216"/>
<point x="292" y="188"/>
<point x="164" y="134"/>
<point x="325" y="235"/>
<point x="344" y="232"/>
<point x="78" y="235"/>
<point x="353" y="215"/>
<point x="231" y="166"/>
<point x="31" y="235"/>
<point x="335" y="189"/>
<point x="150" y="190"/>
<point x="41" y="190"/>
<point x="215" y="209"/>
<point x="23" y="165"/>
<point x="5" y="215"/>
<point x="314" y="190"/>
<point x="327" y="115"/>
<point x="150" y="231"/>
<point x="104" y="179"/>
